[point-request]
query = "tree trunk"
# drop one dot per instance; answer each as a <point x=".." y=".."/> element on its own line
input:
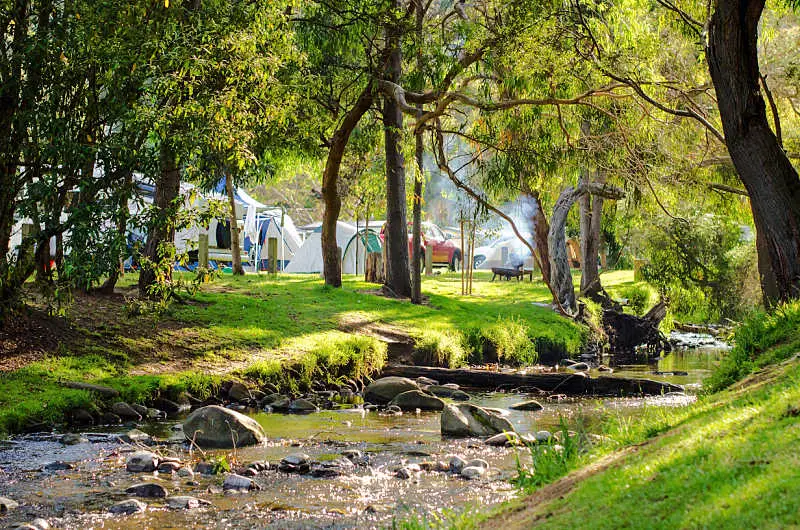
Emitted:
<point x="123" y="213"/>
<point x="162" y="227"/>
<point x="419" y="150"/>
<point x="236" y="247"/>
<point x="398" y="279"/>
<point x="561" y="275"/>
<point x="332" y="267"/>
<point x="540" y="229"/>
<point x="590" y="216"/>
<point x="763" y="167"/>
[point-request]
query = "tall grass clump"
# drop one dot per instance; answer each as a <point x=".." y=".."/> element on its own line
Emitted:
<point x="508" y="341"/>
<point x="762" y="339"/>
<point x="435" y="348"/>
<point x="549" y="461"/>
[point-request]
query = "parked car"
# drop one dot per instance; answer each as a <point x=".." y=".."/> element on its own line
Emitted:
<point x="445" y="251"/>
<point x="491" y="255"/>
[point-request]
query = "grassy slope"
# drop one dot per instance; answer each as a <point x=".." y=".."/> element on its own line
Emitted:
<point x="254" y="322"/>
<point x="731" y="462"/>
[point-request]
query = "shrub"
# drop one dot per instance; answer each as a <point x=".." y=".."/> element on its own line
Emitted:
<point x="434" y="348"/>
<point x="705" y="255"/>
<point x="638" y="298"/>
<point x="763" y="338"/>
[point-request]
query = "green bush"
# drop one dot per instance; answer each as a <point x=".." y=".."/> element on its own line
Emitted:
<point x="638" y="298"/>
<point x="434" y="348"/>
<point x="763" y="338"/>
<point x="704" y="267"/>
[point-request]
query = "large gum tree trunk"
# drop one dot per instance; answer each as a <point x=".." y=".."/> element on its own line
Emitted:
<point x="332" y="266"/>
<point x="540" y="230"/>
<point x="398" y="278"/>
<point x="236" y="247"/>
<point x="419" y="150"/>
<point x="162" y="227"/>
<point x="763" y="167"/>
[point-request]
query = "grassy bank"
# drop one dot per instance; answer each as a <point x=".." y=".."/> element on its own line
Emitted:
<point x="727" y="461"/>
<point x="287" y="331"/>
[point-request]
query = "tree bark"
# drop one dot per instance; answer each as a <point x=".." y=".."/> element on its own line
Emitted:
<point x="419" y="150"/>
<point x="540" y="230"/>
<point x="332" y="267"/>
<point x="590" y="217"/>
<point x="561" y="275"/>
<point x="398" y="279"/>
<point x="162" y="226"/>
<point x="236" y="247"/>
<point x="763" y="167"/>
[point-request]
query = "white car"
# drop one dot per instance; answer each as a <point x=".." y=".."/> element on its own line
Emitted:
<point x="491" y="255"/>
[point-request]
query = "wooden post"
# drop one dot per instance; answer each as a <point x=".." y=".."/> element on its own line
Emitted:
<point x="429" y="260"/>
<point x="27" y="231"/>
<point x="503" y="256"/>
<point x="374" y="268"/>
<point x="272" y="254"/>
<point x="202" y="250"/>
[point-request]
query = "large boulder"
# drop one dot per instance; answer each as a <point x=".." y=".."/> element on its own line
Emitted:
<point x="466" y="419"/>
<point x="215" y="426"/>
<point x="383" y="390"/>
<point x="417" y="399"/>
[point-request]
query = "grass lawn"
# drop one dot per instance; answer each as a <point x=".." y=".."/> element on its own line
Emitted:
<point x="729" y="461"/>
<point x="255" y="326"/>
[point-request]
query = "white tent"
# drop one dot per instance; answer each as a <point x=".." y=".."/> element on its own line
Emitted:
<point x="353" y="253"/>
<point x="308" y="259"/>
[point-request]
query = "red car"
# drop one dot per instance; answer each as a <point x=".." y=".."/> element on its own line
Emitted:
<point x="445" y="251"/>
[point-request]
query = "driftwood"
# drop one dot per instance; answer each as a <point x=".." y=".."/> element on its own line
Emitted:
<point x="627" y="332"/>
<point x="570" y="384"/>
<point x="374" y="268"/>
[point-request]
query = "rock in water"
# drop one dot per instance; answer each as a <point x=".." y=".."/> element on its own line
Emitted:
<point x="466" y="419"/>
<point x="135" y="436"/>
<point x="456" y="464"/>
<point x="239" y="483"/>
<point x="185" y="502"/>
<point x="127" y="507"/>
<point x="527" y="405"/>
<point x="6" y="505"/>
<point x="302" y="406"/>
<point x="417" y="399"/>
<point x="215" y="426"/>
<point x="448" y="392"/>
<point x="239" y="392"/>
<point x="503" y="439"/>
<point x="141" y="462"/>
<point x="383" y="390"/>
<point x="472" y="472"/>
<point x="125" y="411"/>
<point x="73" y="439"/>
<point x="148" y="490"/>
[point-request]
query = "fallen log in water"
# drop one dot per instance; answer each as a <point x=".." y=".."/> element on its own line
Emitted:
<point x="571" y="384"/>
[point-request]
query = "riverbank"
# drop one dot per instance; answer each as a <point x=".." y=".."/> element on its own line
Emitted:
<point x="282" y="331"/>
<point x="726" y="461"/>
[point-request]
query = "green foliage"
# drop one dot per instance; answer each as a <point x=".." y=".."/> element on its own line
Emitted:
<point x="638" y="298"/>
<point x="763" y="339"/>
<point x="706" y="253"/>
<point x="507" y="341"/>
<point x="550" y="461"/>
<point x="435" y="348"/>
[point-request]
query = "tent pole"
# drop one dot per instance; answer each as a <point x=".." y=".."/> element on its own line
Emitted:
<point x="283" y="243"/>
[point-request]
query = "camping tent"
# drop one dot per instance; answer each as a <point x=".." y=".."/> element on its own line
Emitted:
<point x="353" y="253"/>
<point x="270" y="227"/>
<point x="308" y="259"/>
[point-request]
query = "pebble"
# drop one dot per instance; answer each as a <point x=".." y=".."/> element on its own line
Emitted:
<point x="472" y="472"/>
<point x="58" y="465"/>
<point x="135" y="436"/>
<point x="147" y="490"/>
<point x="6" y="504"/>
<point x="239" y="483"/>
<point x="185" y="502"/>
<point x="73" y="439"/>
<point x="141" y="462"/>
<point x="456" y="463"/>
<point x="127" y="507"/>
<point x="169" y="467"/>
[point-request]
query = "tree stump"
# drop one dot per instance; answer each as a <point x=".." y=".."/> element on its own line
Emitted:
<point x="374" y="271"/>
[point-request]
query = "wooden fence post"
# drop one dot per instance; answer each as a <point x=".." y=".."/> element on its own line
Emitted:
<point x="272" y="254"/>
<point x="202" y="250"/>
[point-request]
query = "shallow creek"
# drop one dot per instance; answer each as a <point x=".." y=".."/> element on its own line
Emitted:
<point x="370" y="497"/>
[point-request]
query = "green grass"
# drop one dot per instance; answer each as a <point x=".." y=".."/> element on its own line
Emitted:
<point x="286" y="330"/>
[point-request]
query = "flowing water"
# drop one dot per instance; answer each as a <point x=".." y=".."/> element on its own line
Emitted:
<point x="370" y="497"/>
